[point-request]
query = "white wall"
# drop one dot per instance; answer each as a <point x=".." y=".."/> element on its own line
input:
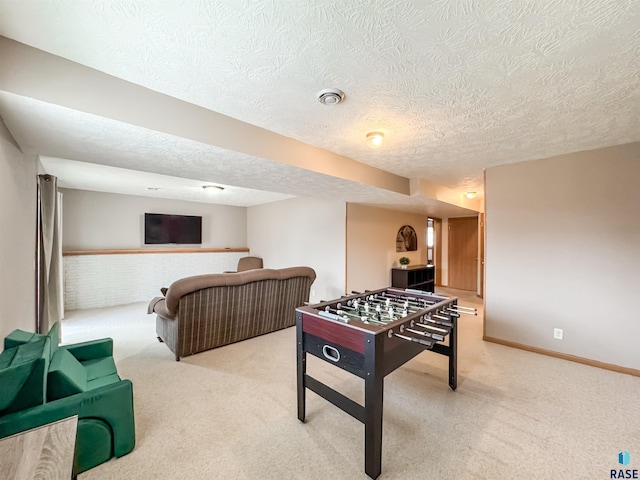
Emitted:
<point x="371" y="245"/>
<point x="563" y="251"/>
<point x="96" y="281"/>
<point x="302" y="232"/>
<point x="18" y="180"/>
<point x="95" y="220"/>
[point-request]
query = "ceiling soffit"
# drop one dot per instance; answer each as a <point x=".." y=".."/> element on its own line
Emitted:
<point x="83" y="89"/>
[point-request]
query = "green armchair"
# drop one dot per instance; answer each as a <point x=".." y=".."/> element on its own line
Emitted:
<point x="44" y="382"/>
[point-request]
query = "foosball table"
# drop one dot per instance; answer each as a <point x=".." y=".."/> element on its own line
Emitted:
<point x="370" y="335"/>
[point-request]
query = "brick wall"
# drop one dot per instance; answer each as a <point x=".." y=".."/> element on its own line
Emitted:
<point x="95" y="281"/>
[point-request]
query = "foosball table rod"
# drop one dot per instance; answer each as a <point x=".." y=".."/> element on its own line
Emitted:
<point x="426" y="343"/>
<point x="462" y="309"/>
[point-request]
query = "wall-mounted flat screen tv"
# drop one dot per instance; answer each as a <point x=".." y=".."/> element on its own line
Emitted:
<point x="180" y="229"/>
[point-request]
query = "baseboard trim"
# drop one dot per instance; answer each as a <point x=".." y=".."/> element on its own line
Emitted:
<point x="565" y="356"/>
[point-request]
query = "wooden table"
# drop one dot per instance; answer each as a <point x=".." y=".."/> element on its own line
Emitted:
<point x="44" y="452"/>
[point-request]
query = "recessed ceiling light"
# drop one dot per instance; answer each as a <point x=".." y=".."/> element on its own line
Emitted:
<point x="470" y="194"/>
<point x="330" y="96"/>
<point x="374" y="139"/>
<point x="213" y="189"/>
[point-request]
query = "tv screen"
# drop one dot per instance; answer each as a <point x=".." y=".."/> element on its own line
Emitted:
<point x="182" y="229"/>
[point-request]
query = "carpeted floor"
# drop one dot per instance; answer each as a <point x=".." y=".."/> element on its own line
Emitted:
<point x="230" y="413"/>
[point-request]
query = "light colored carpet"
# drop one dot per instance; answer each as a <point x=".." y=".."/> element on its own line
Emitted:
<point x="230" y="413"/>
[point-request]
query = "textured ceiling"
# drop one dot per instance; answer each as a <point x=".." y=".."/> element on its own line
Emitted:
<point x="104" y="178"/>
<point x="456" y="86"/>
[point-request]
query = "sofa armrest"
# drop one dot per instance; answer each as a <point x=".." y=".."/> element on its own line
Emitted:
<point x="152" y="304"/>
<point x="159" y="306"/>
<point x="112" y="404"/>
<point x="90" y="350"/>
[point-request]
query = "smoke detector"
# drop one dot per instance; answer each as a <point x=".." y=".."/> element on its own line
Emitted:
<point x="330" y="96"/>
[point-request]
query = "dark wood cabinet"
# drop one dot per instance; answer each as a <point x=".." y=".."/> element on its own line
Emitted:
<point x="417" y="277"/>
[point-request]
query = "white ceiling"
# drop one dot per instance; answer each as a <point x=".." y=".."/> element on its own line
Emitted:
<point x="456" y="86"/>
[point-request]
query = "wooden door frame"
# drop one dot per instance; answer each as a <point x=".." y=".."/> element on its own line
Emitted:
<point x="481" y="240"/>
<point x="437" y="247"/>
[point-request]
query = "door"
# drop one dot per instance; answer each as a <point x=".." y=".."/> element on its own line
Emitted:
<point x="463" y="253"/>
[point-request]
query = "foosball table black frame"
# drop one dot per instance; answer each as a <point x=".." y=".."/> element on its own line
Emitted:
<point x="370" y="352"/>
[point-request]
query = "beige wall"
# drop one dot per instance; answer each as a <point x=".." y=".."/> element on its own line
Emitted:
<point x="371" y="245"/>
<point x="18" y="179"/>
<point x="95" y="220"/>
<point x="302" y="231"/>
<point x="563" y="251"/>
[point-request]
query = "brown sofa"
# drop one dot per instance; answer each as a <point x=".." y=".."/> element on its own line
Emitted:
<point x="207" y="311"/>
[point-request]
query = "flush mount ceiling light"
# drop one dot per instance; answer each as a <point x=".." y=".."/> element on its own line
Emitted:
<point x="470" y="194"/>
<point x="374" y="139"/>
<point x="330" y="96"/>
<point x="213" y="189"/>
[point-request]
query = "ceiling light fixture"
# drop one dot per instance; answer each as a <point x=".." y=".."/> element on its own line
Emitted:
<point x="213" y="189"/>
<point x="374" y="139"/>
<point x="330" y="96"/>
<point x="470" y="194"/>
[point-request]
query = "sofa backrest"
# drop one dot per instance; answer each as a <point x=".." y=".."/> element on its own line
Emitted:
<point x="66" y="376"/>
<point x="54" y="338"/>
<point x="23" y="375"/>
<point x="188" y="285"/>
<point x="20" y="337"/>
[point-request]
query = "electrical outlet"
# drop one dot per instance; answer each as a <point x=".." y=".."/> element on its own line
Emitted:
<point x="557" y="333"/>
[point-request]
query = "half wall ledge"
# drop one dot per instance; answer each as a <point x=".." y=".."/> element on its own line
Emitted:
<point x="151" y="250"/>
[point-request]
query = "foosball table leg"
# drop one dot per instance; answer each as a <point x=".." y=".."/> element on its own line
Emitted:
<point x="373" y="399"/>
<point x="301" y="367"/>
<point x="453" y="354"/>
<point x="373" y="427"/>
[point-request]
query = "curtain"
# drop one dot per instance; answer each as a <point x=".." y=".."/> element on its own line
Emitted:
<point x="49" y="255"/>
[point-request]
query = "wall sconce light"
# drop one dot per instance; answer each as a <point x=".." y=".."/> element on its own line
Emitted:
<point x="470" y="195"/>
<point x="212" y="189"/>
<point x="374" y="139"/>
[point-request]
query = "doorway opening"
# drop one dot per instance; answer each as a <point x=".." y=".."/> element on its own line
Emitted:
<point x="434" y="247"/>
